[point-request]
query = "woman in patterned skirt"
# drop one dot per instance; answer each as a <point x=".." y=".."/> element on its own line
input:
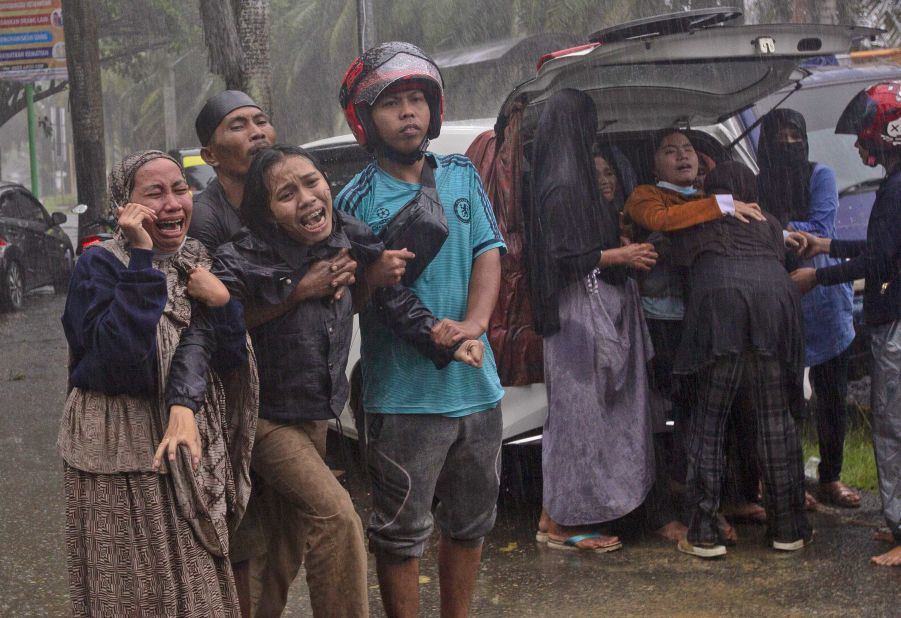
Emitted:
<point x="156" y="448"/>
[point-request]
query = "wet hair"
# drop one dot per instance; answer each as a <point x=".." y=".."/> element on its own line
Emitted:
<point x="662" y="134"/>
<point x="733" y="178"/>
<point x="254" y="211"/>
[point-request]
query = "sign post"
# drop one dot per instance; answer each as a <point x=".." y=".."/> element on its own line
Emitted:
<point x="32" y="146"/>
<point x="32" y="49"/>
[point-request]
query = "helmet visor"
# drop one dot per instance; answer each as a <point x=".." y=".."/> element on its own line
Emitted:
<point x="858" y="115"/>
<point x="400" y="66"/>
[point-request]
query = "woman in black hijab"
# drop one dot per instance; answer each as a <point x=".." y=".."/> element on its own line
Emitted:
<point x="598" y="460"/>
<point x="803" y="196"/>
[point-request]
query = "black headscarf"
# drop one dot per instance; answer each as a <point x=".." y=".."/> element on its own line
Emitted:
<point x="785" y="169"/>
<point x="625" y="175"/>
<point x="732" y="178"/>
<point x="567" y="228"/>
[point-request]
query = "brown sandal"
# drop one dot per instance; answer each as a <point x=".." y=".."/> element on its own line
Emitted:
<point x="839" y="494"/>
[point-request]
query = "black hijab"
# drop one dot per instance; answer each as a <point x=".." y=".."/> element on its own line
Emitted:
<point x="785" y="169"/>
<point x="625" y="175"/>
<point x="567" y="227"/>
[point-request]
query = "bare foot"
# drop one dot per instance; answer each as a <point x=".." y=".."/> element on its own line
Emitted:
<point x="674" y="531"/>
<point x="561" y="533"/>
<point x="728" y="535"/>
<point x="544" y="521"/>
<point x="885" y="535"/>
<point x="890" y="558"/>
<point x="810" y="503"/>
<point x="746" y="511"/>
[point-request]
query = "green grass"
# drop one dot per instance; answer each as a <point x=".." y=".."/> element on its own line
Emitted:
<point x="859" y="467"/>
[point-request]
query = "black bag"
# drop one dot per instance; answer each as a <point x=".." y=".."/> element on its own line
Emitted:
<point x="420" y="226"/>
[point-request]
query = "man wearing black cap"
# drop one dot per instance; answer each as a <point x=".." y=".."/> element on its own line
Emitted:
<point x="232" y="129"/>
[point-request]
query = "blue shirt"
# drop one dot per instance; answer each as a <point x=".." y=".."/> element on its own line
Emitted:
<point x="396" y="378"/>
<point x="828" y="323"/>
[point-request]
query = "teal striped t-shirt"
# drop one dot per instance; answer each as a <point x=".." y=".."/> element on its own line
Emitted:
<point x="396" y="378"/>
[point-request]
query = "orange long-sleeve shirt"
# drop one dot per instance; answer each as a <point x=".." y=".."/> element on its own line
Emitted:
<point x="661" y="210"/>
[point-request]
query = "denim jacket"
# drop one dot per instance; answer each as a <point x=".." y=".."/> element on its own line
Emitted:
<point x="828" y="324"/>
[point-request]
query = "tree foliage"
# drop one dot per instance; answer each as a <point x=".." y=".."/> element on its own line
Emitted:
<point x="12" y="96"/>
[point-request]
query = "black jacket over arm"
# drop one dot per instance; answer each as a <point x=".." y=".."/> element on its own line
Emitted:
<point x="877" y="259"/>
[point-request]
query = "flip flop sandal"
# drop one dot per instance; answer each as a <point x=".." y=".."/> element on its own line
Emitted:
<point x="570" y="544"/>
<point x="706" y="551"/>
<point x="541" y="536"/>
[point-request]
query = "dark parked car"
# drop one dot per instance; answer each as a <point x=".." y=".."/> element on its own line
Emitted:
<point x="34" y="250"/>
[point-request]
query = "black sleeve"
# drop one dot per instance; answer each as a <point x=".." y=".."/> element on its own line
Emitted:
<point x="572" y="249"/>
<point x="400" y="309"/>
<point x="365" y="246"/>
<point x="187" y="382"/>
<point x="850" y="270"/>
<point x="205" y="226"/>
<point x="847" y="248"/>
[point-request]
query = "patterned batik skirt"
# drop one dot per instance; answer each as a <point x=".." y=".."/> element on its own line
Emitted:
<point x="130" y="554"/>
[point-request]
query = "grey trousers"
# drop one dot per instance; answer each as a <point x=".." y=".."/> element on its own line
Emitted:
<point x="885" y="404"/>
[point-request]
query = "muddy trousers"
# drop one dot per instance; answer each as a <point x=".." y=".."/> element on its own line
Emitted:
<point x="885" y="403"/>
<point x="286" y="457"/>
<point x="778" y="446"/>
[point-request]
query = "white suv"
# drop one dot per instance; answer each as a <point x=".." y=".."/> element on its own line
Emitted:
<point x="689" y="70"/>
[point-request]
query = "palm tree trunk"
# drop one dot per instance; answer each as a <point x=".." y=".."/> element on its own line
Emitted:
<point x="86" y="105"/>
<point x="254" y="21"/>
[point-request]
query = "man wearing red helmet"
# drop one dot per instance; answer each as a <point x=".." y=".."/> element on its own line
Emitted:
<point x="432" y="433"/>
<point x="874" y="116"/>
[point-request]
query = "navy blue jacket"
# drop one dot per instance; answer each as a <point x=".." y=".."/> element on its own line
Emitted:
<point x="877" y="259"/>
<point x="110" y="322"/>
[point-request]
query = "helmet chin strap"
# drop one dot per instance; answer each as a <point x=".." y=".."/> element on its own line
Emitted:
<point x="404" y="158"/>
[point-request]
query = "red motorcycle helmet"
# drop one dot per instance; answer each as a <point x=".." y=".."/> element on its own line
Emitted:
<point x="389" y="65"/>
<point x="874" y="116"/>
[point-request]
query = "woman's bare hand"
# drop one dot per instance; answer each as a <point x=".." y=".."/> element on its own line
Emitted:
<point x="206" y="287"/>
<point x="471" y="352"/>
<point x="131" y="220"/>
<point x="326" y="278"/>
<point x="640" y="256"/>
<point x="182" y="429"/>
<point x="796" y="241"/>
<point x="745" y="211"/>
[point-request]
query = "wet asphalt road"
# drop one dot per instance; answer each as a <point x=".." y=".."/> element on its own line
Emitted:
<point x="647" y="578"/>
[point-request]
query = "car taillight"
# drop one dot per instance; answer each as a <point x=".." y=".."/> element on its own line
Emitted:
<point x="87" y="241"/>
<point x="580" y="49"/>
<point x="3" y="242"/>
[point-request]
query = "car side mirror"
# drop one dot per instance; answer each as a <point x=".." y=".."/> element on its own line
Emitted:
<point x="58" y="218"/>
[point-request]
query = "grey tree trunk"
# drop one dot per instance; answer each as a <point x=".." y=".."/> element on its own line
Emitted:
<point x="86" y="105"/>
<point x="254" y="19"/>
<point x="236" y="33"/>
<point x="170" y="114"/>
